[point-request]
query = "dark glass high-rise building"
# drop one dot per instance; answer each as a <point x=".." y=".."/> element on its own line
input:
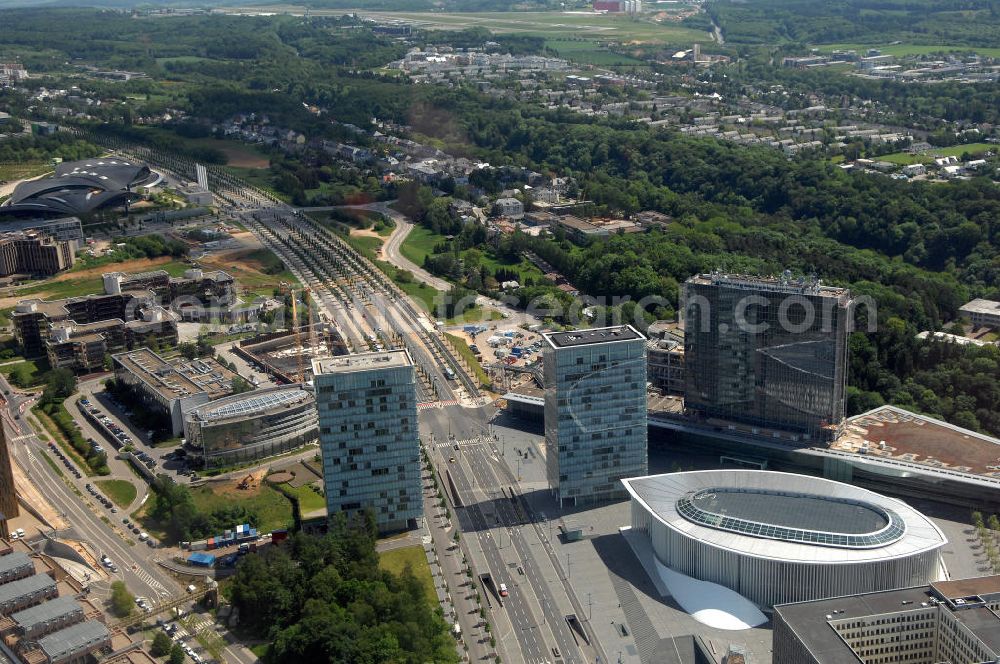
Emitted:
<point x="765" y="351"/>
<point x="595" y="412"/>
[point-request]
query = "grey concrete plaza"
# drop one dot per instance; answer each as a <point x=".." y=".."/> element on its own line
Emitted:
<point x="633" y="623"/>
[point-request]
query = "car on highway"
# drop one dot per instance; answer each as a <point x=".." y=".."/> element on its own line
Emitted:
<point x="503" y="590"/>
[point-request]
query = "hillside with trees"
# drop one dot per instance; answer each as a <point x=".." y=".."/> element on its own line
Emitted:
<point x="324" y="599"/>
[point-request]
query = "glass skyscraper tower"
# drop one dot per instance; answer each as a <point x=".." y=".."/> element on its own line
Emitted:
<point x="769" y="352"/>
<point x="595" y="412"/>
<point x="368" y="436"/>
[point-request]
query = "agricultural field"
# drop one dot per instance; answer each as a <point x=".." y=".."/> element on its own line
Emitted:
<point x="904" y="50"/>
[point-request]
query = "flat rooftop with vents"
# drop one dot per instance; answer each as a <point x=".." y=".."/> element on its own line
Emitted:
<point x="841" y="630"/>
<point x="599" y="335"/>
<point x="180" y="378"/>
<point x="362" y="362"/>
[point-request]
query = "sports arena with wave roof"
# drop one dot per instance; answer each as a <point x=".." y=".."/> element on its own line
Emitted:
<point x="79" y="187"/>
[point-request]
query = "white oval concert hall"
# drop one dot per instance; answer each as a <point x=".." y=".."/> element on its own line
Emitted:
<point x="779" y="537"/>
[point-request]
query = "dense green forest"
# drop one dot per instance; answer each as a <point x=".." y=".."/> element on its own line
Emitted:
<point x="31" y="149"/>
<point x="324" y="599"/>
<point x="953" y="22"/>
<point x="920" y="249"/>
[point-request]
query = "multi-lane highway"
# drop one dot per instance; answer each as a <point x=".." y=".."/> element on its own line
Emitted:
<point x="368" y="309"/>
<point x="514" y="546"/>
<point x="136" y="564"/>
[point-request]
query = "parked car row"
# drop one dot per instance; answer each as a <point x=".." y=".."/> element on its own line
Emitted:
<point x="115" y="432"/>
<point x="101" y="499"/>
<point x="143" y="536"/>
<point x="119" y="435"/>
<point x="66" y="462"/>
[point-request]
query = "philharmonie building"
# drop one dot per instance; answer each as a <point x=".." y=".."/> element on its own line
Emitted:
<point x="777" y="537"/>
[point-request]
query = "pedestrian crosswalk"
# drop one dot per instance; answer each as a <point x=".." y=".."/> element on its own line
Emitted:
<point x="148" y="579"/>
<point x="468" y="442"/>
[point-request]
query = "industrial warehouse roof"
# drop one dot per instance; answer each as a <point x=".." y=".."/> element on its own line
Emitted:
<point x="785" y="516"/>
<point x="15" y="590"/>
<point x="79" y="187"/>
<point x="74" y="639"/>
<point x="46" y="612"/>
<point x="257" y="402"/>
<point x="13" y="561"/>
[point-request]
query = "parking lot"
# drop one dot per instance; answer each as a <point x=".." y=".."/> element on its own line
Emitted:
<point x="111" y="422"/>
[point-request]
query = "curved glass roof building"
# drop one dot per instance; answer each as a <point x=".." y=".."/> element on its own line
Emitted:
<point x="79" y="187"/>
<point x="780" y="537"/>
<point x="252" y="425"/>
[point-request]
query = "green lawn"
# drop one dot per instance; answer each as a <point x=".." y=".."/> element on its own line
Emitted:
<point x="905" y="158"/>
<point x="590" y="53"/>
<point x="904" y="50"/>
<point x="419" y="244"/>
<point x="12" y="172"/>
<point x="53" y="430"/>
<point x="121" y="492"/>
<point x="366" y="245"/>
<point x="31" y="371"/>
<point x="309" y="500"/>
<point x="52" y="464"/>
<point x="273" y="509"/>
<point x="396" y="560"/>
<point x="57" y="289"/>
<point x="260" y="178"/>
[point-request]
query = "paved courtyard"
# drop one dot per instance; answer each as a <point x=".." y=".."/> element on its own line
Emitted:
<point x="633" y="622"/>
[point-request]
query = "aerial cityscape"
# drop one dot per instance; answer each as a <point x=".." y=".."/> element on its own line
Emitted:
<point x="412" y="331"/>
